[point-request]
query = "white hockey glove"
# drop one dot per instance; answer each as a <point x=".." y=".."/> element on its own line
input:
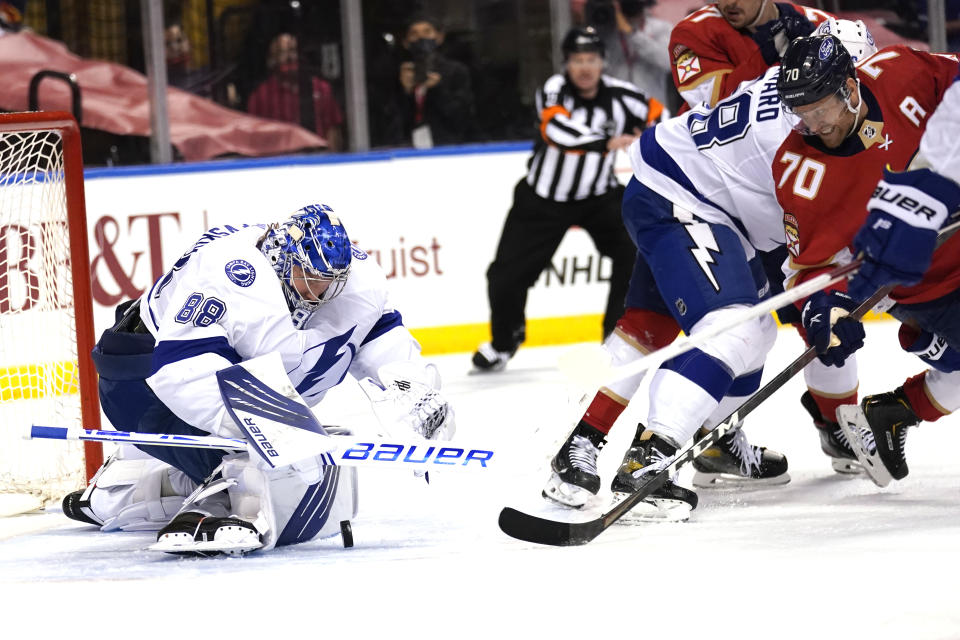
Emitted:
<point x="408" y="395"/>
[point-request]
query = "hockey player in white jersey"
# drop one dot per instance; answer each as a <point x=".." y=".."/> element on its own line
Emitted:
<point x="700" y="207"/>
<point x="298" y="289"/>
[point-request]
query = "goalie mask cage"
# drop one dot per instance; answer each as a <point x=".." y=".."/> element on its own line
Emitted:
<point x="46" y="311"/>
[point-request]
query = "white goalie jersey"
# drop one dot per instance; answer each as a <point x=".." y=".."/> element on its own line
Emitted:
<point x="222" y="303"/>
<point x="716" y="163"/>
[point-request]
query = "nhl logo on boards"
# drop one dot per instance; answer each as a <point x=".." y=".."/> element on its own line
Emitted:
<point x="240" y="272"/>
<point x="791" y="229"/>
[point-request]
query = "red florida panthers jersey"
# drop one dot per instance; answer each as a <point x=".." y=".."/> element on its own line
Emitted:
<point x="709" y="58"/>
<point x="824" y="192"/>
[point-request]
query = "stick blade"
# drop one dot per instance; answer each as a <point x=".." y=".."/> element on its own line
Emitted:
<point x="587" y="365"/>
<point x="528" y="528"/>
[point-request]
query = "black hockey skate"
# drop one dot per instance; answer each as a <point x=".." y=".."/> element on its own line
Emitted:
<point x="488" y="360"/>
<point x="878" y="431"/>
<point x="649" y="453"/>
<point x="833" y="441"/>
<point x="734" y="462"/>
<point x="196" y="534"/>
<point x="574" y="478"/>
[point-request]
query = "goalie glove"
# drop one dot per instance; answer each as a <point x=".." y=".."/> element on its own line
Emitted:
<point x="407" y="395"/>
<point x="897" y="240"/>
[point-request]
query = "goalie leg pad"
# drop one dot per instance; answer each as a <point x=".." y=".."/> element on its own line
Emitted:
<point x="247" y="508"/>
<point x="285" y="509"/>
<point x="134" y="492"/>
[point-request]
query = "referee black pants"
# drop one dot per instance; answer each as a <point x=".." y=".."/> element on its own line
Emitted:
<point x="531" y="234"/>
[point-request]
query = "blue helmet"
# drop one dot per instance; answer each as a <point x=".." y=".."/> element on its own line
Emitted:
<point x="314" y="240"/>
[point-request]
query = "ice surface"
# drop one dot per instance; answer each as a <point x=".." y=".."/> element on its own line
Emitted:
<point x="822" y="557"/>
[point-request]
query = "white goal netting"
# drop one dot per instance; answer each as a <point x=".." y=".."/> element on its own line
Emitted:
<point x="39" y="381"/>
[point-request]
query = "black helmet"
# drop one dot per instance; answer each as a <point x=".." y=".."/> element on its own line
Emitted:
<point x="813" y="68"/>
<point x="581" y="39"/>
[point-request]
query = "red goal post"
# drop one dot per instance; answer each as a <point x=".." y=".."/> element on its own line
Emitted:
<point x="46" y="307"/>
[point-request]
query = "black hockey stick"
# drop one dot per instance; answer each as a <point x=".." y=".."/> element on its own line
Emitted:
<point x="524" y="526"/>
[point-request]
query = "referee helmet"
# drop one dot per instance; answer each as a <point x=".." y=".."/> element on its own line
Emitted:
<point x="580" y="40"/>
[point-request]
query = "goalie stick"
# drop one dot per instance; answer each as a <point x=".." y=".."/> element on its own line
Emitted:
<point x="342" y="450"/>
<point x="530" y="528"/>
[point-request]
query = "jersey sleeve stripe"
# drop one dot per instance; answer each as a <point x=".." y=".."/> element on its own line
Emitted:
<point x="387" y="321"/>
<point x="548" y="115"/>
<point x="170" y="351"/>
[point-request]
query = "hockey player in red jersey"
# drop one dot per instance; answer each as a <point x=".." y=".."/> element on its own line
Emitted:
<point x="728" y="42"/>
<point x="859" y="125"/>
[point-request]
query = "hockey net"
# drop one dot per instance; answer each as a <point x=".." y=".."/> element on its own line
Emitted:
<point x="46" y="325"/>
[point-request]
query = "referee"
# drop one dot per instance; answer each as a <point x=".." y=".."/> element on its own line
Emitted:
<point x="585" y="117"/>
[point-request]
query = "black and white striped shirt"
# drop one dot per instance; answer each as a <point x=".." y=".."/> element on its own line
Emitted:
<point x="570" y="159"/>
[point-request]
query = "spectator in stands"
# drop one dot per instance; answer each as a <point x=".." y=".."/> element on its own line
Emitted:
<point x="278" y="97"/>
<point x="179" y="55"/>
<point x="636" y="43"/>
<point x="436" y="98"/>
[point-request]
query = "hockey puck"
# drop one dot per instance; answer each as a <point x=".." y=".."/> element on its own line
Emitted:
<point x="346" y="532"/>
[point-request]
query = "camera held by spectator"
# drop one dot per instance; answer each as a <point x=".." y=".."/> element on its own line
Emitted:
<point x="423" y="52"/>
<point x="436" y="99"/>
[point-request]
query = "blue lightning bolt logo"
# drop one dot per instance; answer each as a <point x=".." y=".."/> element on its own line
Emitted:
<point x="701" y="234"/>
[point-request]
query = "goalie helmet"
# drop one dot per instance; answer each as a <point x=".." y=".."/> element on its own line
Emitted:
<point x="813" y="68"/>
<point x="853" y="34"/>
<point x="314" y="240"/>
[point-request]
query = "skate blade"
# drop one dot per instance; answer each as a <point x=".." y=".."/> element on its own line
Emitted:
<point x="854" y="424"/>
<point x="184" y="544"/>
<point x="846" y="466"/>
<point x="706" y="480"/>
<point x="653" y="510"/>
<point x="566" y="495"/>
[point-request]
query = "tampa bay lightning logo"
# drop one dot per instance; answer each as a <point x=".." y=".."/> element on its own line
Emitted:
<point x="240" y="272"/>
<point x="826" y="49"/>
<point x="330" y="367"/>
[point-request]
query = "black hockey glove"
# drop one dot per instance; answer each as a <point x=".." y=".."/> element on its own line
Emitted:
<point x="774" y="36"/>
<point x="834" y="333"/>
